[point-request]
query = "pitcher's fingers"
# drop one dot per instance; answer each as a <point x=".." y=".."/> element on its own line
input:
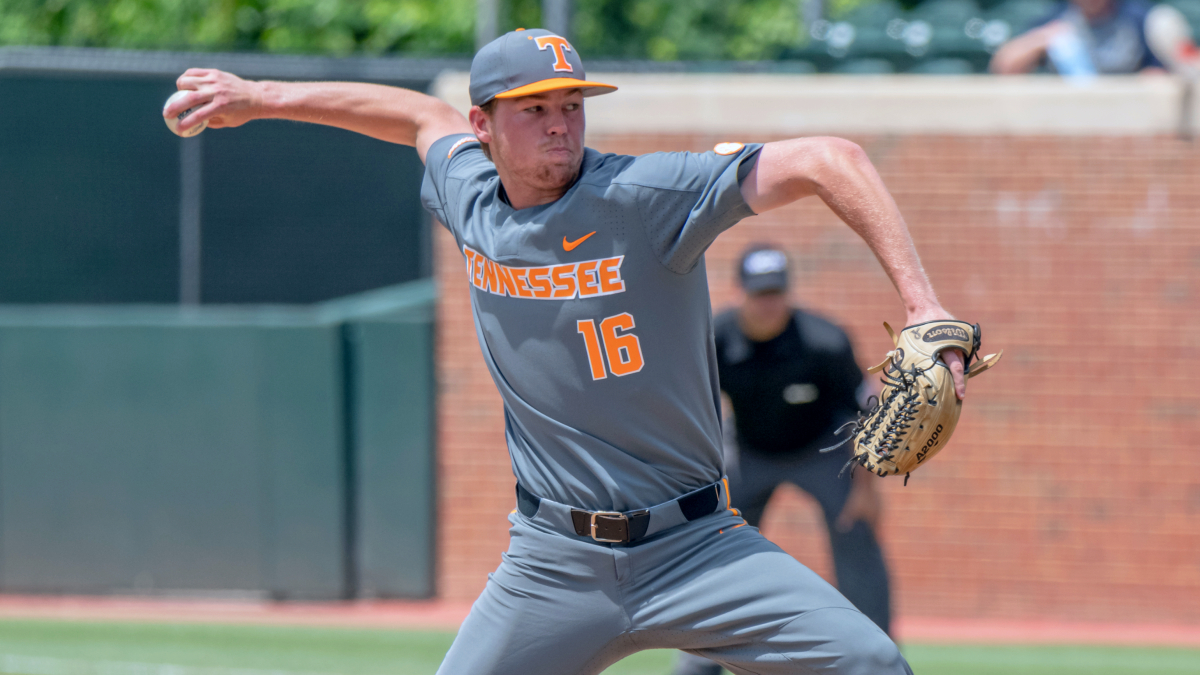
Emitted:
<point x="197" y="116"/>
<point x="954" y="359"/>
<point x="193" y="99"/>
<point x="192" y="82"/>
<point x="192" y="74"/>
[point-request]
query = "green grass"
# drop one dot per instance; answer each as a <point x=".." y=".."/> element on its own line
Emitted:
<point x="77" y="648"/>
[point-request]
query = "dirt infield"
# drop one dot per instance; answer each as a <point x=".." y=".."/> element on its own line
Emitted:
<point x="359" y="614"/>
<point x="446" y="616"/>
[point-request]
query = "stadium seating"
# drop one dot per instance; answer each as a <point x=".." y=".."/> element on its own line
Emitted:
<point x="1020" y="15"/>
<point x="789" y="66"/>
<point x="945" y="12"/>
<point x="934" y="37"/>
<point x="862" y="33"/>
<point x="865" y="67"/>
<point x="877" y="34"/>
<point x="883" y="31"/>
<point x="943" y="67"/>
<point x="947" y="31"/>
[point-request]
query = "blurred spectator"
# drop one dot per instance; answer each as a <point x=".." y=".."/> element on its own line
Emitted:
<point x="1083" y="37"/>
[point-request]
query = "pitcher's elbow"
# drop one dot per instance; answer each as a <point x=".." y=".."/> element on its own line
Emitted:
<point x="847" y="152"/>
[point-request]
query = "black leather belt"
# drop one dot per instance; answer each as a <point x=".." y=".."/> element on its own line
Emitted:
<point x="616" y="527"/>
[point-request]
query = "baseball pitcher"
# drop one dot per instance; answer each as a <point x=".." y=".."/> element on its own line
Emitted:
<point x="592" y="311"/>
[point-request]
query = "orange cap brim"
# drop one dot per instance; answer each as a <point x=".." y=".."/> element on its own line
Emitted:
<point x="556" y="83"/>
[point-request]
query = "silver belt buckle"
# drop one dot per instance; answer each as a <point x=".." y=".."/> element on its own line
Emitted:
<point x="614" y="516"/>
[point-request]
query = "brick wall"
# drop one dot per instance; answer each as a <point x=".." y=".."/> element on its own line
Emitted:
<point x="1072" y="488"/>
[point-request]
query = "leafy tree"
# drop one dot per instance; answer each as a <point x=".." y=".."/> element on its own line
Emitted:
<point x="642" y="29"/>
<point x="335" y="27"/>
<point x="687" y="29"/>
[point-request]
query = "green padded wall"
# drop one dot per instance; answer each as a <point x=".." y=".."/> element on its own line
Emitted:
<point x="389" y="342"/>
<point x="393" y="430"/>
<point x="281" y="452"/>
<point x="145" y="455"/>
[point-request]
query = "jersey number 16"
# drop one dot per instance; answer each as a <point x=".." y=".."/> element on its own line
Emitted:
<point x="623" y="349"/>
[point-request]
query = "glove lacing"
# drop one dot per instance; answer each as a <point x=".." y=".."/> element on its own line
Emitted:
<point x="908" y="404"/>
<point x="905" y="400"/>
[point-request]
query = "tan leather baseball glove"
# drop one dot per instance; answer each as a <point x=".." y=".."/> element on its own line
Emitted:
<point x="917" y="410"/>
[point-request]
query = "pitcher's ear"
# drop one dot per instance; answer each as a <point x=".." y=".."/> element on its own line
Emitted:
<point x="481" y="124"/>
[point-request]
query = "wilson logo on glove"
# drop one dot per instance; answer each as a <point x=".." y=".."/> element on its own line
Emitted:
<point x="938" y="333"/>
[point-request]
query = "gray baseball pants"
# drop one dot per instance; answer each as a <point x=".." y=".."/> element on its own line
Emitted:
<point x="562" y="604"/>
<point x="858" y="562"/>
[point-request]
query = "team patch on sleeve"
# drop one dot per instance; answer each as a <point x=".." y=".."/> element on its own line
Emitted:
<point x="727" y="148"/>
<point x="590" y="278"/>
<point x="459" y="143"/>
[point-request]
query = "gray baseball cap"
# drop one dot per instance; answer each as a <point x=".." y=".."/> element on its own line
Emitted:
<point x="763" y="268"/>
<point x="526" y="62"/>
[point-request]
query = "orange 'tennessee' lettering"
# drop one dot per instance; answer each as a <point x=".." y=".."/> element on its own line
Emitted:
<point x="610" y="275"/>
<point x="564" y="281"/>
<point x="477" y="278"/>
<point x="507" y="285"/>
<point x="493" y="284"/>
<point x="539" y="281"/>
<point x="585" y="272"/>
<point x="470" y="256"/>
<point x="522" y="284"/>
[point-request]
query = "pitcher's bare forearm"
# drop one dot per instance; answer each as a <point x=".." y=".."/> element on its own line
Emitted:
<point x="388" y="113"/>
<point x="840" y="173"/>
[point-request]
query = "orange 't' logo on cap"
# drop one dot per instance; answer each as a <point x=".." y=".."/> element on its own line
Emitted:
<point x="560" y="47"/>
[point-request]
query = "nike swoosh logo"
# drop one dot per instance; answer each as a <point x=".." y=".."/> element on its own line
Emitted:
<point x="570" y="245"/>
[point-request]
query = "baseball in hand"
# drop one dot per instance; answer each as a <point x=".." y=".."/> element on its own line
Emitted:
<point x="173" y="122"/>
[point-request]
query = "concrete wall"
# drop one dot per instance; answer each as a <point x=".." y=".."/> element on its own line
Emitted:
<point x="1068" y="226"/>
<point x="791" y="105"/>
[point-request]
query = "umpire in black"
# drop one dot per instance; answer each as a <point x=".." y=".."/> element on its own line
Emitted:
<point x="791" y="380"/>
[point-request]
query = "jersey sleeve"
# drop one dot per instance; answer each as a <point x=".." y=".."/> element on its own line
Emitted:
<point x="686" y="199"/>
<point x="455" y="170"/>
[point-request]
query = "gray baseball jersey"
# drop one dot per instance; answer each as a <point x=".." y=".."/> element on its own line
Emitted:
<point x="594" y="319"/>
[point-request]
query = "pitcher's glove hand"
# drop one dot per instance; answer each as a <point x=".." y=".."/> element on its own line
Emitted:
<point x="917" y="410"/>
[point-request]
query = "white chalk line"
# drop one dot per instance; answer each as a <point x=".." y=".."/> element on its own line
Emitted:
<point x="17" y="664"/>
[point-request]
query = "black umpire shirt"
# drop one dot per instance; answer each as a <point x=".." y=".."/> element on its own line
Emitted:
<point x="792" y="390"/>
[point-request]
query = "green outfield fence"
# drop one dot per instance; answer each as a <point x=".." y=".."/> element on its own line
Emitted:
<point x="270" y="451"/>
<point x="100" y="203"/>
